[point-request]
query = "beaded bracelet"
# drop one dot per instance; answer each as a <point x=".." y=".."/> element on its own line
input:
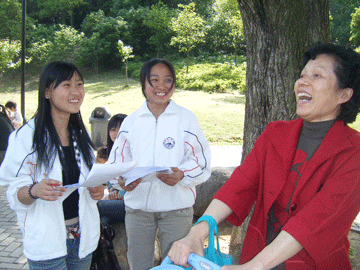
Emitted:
<point x="29" y="192"/>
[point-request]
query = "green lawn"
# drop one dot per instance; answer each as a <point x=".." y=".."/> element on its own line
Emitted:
<point x="221" y="116"/>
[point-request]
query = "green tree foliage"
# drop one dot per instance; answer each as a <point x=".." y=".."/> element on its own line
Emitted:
<point x="189" y="28"/>
<point x="58" y="10"/>
<point x="355" y="27"/>
<point x="136" y="32"/>
<point x="10" y="22"/>
<point x="66" y="43"/>
<point x="58" y="42"/>
<point x="158" y="20"/>
<point x="341" y="11"/>
<point x="203" y="6"/>
<point x="9" y="55"/>
<point x="226" y="32"/>
<point x="99" y="48"/>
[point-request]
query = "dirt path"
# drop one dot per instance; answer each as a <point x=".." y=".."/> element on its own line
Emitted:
<point x="354" y="237"/>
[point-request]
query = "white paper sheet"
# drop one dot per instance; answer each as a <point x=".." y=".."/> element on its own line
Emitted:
<point x="102" y="173"/>
<point x="69" y="189"/>
<point x="98" y="175"/>
<point x="140" y="172"/>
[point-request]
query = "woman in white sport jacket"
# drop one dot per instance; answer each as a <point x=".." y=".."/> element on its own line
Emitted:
<point x="51" y="150"/>
<point x="160" y="133"/>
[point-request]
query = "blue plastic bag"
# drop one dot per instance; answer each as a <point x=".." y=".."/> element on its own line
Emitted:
<point x="211" y="253"/>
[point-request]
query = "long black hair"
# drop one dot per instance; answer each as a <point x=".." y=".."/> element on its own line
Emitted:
<point x="46" y="141"/>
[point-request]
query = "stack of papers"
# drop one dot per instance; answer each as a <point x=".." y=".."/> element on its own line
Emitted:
<point x="102" y="173"/>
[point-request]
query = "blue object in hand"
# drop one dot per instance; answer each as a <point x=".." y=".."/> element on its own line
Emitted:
<point x="196" y="261"/>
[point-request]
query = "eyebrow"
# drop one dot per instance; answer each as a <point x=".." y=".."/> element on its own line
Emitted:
<point x="321" y="67"/>
<point x="316" y="67"/>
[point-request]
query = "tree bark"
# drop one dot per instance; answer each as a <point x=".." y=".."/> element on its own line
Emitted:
<point x="277" y="33"/>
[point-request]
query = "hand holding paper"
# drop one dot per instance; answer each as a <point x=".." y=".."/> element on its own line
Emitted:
<point x="140" y="172"/>
<point x="100" y="174"/>
<point x="171" y="179"/>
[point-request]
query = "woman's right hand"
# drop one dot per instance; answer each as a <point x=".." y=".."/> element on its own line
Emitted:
<point x="192" y="243"/>
<point x="113" y="195"/>
<point x="48" y="189"/>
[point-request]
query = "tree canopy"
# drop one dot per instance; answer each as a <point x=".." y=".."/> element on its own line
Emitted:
<point x="189" y="28"/>
<point x="148" y="26"/>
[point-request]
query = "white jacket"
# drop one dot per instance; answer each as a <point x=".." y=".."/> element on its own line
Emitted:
<point x="42" y="223"/>
<point x="175" y="139"/>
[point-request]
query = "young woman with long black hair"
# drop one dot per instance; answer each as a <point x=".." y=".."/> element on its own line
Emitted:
<point x="50" y="151"/>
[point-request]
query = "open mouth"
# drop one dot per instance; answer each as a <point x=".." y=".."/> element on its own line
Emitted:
<point x="160" y="94"/>
<point x="304" y="96"/>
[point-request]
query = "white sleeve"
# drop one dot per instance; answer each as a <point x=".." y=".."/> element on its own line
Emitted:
<point x="120" y="151"/>
<point x="196" y="163"/>
<point x="18" y="167"/>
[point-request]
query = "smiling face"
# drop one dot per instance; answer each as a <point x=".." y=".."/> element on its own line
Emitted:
<point x="160" y="88"/>
<point x="318" y="96"/>
<point x="67" y="97"/>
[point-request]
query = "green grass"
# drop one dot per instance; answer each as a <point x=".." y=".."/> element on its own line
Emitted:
<point x="221" y="115"/>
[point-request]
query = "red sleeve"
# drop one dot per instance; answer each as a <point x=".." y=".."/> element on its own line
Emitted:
<point x="241" y="189"/>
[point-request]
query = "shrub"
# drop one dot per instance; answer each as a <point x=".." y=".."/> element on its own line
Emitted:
<point x="218" y="77"/>
<point x="9" y="55"/>
<point x="134" y="69"/>
<point x="59" y="42"/>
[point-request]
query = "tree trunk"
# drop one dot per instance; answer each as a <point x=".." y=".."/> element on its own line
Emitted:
<point x="277" y="33"/>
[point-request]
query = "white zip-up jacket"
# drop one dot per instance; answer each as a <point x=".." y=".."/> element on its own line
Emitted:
<point x="175" y="139"/>
<point x="42" y="223"/>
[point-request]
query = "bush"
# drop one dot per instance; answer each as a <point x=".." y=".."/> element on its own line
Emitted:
<point x="52" y="43"/>
<point x="9" y="55"/>
<point x="218" y="77"/>
<point x="134" y="69"/>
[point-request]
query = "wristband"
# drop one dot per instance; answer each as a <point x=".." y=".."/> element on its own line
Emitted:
<point x="29" y="192"/>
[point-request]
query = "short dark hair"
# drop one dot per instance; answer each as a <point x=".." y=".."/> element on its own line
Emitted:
<point x="347" y="71"/>
<point x="146" y="69"/>
<point x="115" y="121"/>
<point x="10" y="104"/>
<point x="102" y="153"/>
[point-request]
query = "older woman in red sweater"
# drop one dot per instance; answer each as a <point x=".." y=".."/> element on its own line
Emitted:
<point x="303" y="176"/>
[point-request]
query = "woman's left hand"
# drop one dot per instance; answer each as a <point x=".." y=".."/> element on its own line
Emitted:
<point x="171" y="179"/>
<point x="96" y="193"/>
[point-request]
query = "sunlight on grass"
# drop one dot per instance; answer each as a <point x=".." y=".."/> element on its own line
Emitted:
<point x="221" y="115"/>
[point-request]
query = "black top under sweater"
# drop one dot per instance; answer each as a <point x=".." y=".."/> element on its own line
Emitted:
<point x="71" y="175"/>
<point x="311" y="136"/>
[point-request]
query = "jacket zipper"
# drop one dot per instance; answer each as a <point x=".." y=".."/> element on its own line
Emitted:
<point x="154" y="147"/>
